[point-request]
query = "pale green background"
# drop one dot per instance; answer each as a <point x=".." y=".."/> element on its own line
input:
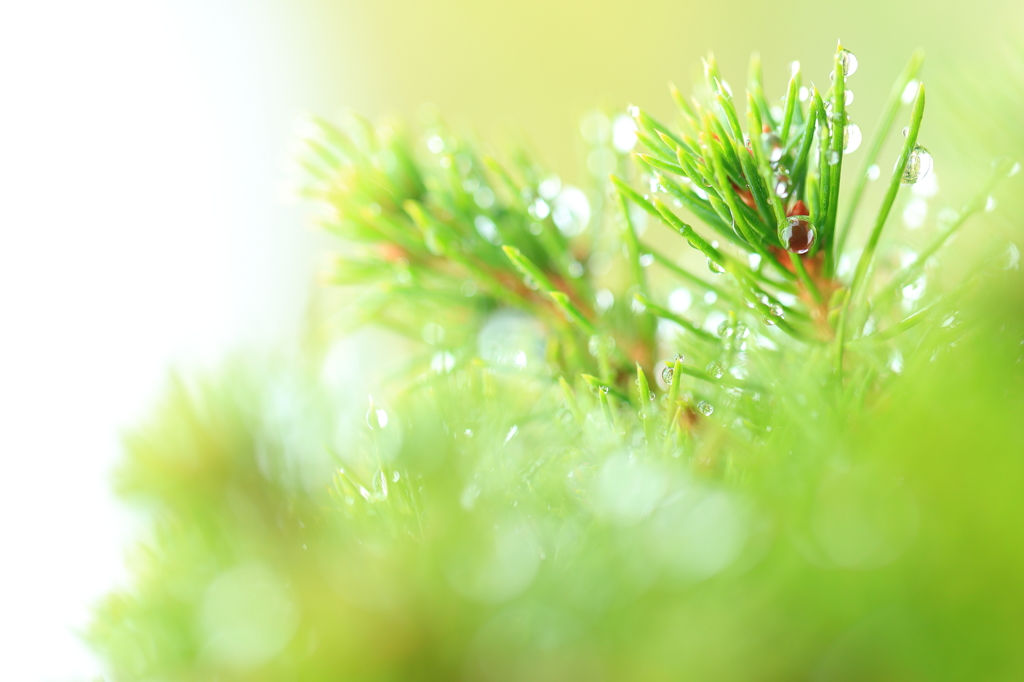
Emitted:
<point x="143" y="144"/>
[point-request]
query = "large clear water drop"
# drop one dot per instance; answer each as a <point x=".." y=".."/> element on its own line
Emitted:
<point x="849" y="62"/>
<point x="851" y="138"/>
<point x="919" y="164"/>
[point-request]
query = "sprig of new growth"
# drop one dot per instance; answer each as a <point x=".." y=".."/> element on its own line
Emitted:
<point x="441" y="234"/>
<point x="772" y="193"/>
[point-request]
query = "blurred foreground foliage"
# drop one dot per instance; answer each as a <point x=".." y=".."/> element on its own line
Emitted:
<point x="531" y="494"/>
<point x="883" y="546"/>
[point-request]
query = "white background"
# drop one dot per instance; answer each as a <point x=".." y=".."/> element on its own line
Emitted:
<point x="142" y="146"/>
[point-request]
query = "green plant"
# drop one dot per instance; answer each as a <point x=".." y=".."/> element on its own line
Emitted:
<point x="576" y="474"/>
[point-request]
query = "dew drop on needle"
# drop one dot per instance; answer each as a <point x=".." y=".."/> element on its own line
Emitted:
<point x="852" y="138"/>
<point x="919" y="164"/>
<point x="798" y="235"/>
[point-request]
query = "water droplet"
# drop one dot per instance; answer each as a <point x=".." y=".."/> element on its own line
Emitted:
<point x="840" y="117"/>
<point x="848" y="97"/>
<point x="539" y="209"/>
<point x="531" y="283"/>
<point x="849" y="62"/>
<point x="990" y="204"/>
<point x="646" y="260"/>
<point x="395" y="477"/>
<point x="550" y="187"/>
<point x="666" y="375"/>
<point x="710" y="297"/>
<point x="680" y="300"/>
<point x="725" y="330"/>
<point x="851" y="138"/>
<point x="776" y="310"/>
<point x="486" y="228"/>
<point x="435" y="144"/>
<point x="604" y="390"/>
<point x="772" y="146"/>
<point x="442" y="362"/>
<point x="873" y="171"/>
<point x="1012" y="257"/>
<point x="633" y="110"/>
<point x="576" y="269"/>
<point x="715" y="369"/>
<point x="1014" y="169"/>
<point x="832" y="157"/>
<point x="919" y="163"/>
<point x="798" y="235"/>
<point x="705" y="408"/>
<point x="768" y="320"/>
<point x="803" y="93"/>
<point x="896" y="361"/>
<point x="376" y="418"/>
<point x="714" y="267"/>
<point x="915" y="290"/>
<point x="604" y="299"/>
<point x="782" y="186"/>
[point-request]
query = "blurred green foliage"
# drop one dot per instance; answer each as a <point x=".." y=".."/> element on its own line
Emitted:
<point x="878" y="545"/>
<point x="477" y="519"/>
